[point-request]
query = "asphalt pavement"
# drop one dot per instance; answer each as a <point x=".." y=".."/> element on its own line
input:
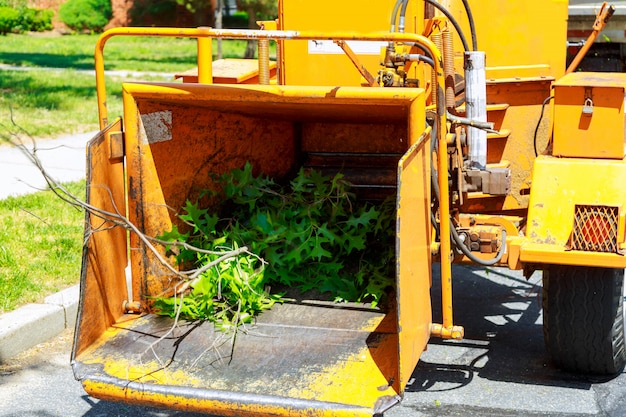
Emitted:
<point x="500" y="369"/>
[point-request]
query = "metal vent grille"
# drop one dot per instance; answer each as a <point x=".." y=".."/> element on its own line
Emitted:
<point x="595" y="228"/>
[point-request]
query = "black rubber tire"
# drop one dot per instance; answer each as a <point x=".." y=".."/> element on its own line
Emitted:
<point x="583" y="322"/>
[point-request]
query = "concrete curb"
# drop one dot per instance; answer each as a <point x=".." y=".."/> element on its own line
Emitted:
<point x="32" y="324"/>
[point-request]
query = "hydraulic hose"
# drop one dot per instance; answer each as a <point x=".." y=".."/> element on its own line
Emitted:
<point x="405" y="4"/>
<point x="454" y="22"/>
<point x="416" y="57"/>
<point x="394" y="15"/>
<point x="455" y="236"/>
<point x="472" y="25"/>
<point x="543" y="107"/>
<point x="402" y="5"/>
<point x="461" y="245"/>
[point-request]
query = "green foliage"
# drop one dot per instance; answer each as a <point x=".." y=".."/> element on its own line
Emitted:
<point x="259" y="9"/>
<point x="24" y="19"/>
<point x="15" y="4"/>
<point x="9" y="18"/>
<point x="312" y="232"/>
<point x="66" y="101"/>
<point x="35" y="20"/>
<point x="86" y="15"/>
<point x="230" y="293"/>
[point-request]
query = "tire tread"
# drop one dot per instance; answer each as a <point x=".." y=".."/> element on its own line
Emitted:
<point x="583" y="318"/>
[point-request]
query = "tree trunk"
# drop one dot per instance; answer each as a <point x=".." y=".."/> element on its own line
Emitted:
<point x="218" y="25"/>
<point x="251" y="47"/>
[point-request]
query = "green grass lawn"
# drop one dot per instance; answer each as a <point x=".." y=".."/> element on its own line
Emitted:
<point x="120" y="52"/>
<point x="40" y="246"/>
<point x="48" y="103"/>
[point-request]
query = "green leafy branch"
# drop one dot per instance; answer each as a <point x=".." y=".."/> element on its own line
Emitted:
<point x="309" y="234"/>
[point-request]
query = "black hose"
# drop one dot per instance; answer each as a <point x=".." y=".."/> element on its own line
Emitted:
<point x="543" y="107"/>
<point x="426" y="53"/>
<point x="461" y="245"/>
<point x="426" y="59"/>
<point x="453" y="21"/>
<point x="455" y="236"/>
<point x="470" y="18"/>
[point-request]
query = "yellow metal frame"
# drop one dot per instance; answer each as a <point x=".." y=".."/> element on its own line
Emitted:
<point x="405" y="332"/>
<point x="447" y="329"/>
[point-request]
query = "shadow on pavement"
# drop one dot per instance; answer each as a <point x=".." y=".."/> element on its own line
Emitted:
<point x="501" y="314"/>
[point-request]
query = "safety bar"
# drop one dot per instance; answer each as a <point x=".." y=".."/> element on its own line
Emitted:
<point x="204" y="37"/>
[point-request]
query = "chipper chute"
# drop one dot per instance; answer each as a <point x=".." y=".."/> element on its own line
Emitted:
<point x="304" y="356"/>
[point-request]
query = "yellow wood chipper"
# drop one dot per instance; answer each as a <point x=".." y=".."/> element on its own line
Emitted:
<point x="461" y="111"/>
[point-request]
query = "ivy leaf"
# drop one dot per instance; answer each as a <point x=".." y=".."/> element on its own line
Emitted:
<point x="174" y="235"/>
<point x="355" y="242"/>
<point x="318" y="252"/>
<point x="197" y="217"/>
<point x="364" y="218"/>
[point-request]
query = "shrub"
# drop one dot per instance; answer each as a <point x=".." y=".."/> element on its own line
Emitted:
<point x="15" y="4"/>
<point x="9" y="18"/>
<point x="34" y="20"/>
<point x="86" y="15"/>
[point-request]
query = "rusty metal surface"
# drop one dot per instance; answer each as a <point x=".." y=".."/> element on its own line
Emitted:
<point x="301" y="351"/>
<point x="177" y="136"/>
<point x="102" y="282"/>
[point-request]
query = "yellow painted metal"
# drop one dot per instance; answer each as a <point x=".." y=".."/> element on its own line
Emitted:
<point x="512" y="103"/>
<point x="510" y="224"/>
<point x="259" y="34"/>
<point x="369" y="78"/>
<point x="509" y="32"/>
<point x="589" y="115"/>
<point x="317" y="62"/>
<point x="558" y="185"/>
<point x="447" y="332"/>
<point x="555" y="254"/>
<point x="230" y="71"/>
<point x="205" y="59"/>
<point x="413" y="252"/>
<point x="173" y="400"/>
<point x="102" y="282"/>
<point x="176" y="135"/>
<point x="257" y="375"/>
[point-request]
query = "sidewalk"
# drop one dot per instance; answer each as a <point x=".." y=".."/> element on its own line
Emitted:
<point x="64" y="159"/>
